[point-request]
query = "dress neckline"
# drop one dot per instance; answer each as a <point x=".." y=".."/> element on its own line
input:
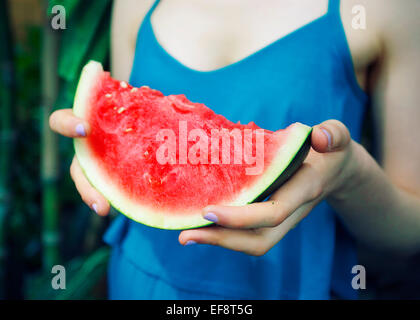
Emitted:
<point x="246" y="59"/>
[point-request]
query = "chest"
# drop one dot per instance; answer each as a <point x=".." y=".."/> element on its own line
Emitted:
<point x="206" y="35"/>
<point x="304" y="78"/>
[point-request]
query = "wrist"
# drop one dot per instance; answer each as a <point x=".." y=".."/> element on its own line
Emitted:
<point x="352" y="172"/>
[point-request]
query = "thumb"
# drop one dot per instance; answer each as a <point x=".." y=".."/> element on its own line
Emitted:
<point x="331" y="135"/>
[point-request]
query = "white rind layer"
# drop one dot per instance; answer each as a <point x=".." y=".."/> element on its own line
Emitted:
<point x="151" y="216"/>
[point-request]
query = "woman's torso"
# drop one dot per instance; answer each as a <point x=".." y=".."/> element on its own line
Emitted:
<point x="305" y="75"/>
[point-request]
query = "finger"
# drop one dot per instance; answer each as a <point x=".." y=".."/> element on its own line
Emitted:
<point x="66" y="123"/>
<point x="304" y="187"/>
<point x="275" y="234"/>
<point x="255" y="242"/>
<point x="255" y="215"/>
<point x="292" y="220"/>
<point x="251" y="241"/>
<point x="331" y="135"/>
<point x="89" y="194"/>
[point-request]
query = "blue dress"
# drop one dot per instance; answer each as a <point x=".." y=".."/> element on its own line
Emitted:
<point x="306" y="76"/>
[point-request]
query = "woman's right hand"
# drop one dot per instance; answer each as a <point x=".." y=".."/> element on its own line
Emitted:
<point x="66" y="123"/>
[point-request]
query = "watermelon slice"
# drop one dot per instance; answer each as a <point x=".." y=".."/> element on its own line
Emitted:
<point x="161" y="159"/>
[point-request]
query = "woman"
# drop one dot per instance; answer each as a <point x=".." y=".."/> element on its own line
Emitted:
<point x="275" y="62"/>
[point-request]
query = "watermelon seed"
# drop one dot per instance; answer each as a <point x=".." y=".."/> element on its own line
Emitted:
<point x="145" y="87"/>
<point x="133" y="90"/>
<point x="129" y="129"/>
<point x="146" y="153"/>
<point x="123" y="84"/>
<point x="122" y="109"/>
<point x="108" y="95"/>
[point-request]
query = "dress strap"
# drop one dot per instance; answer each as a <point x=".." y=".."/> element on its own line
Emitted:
<point x="334" y="7"/>
<point x="152" y="8"/>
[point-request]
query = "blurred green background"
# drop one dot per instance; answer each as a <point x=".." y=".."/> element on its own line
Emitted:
<point x="43" y="221"/>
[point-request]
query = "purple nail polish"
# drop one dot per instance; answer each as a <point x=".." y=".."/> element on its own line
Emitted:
<point x="211" y="217"/>
<point x="95" y="207"/>
<point x="328" y="137"/>
<point x="190" y="242"/>
<point x="80" y="130"/>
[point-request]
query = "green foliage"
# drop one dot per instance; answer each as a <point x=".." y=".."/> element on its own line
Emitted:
<point x="86" y="37"/>
<point x="7" y="95"/>
<point x="69" y="5"/>
<point x="82" y="276"/>
<point x="80" y="35"/>
<point x="26" y="187"/>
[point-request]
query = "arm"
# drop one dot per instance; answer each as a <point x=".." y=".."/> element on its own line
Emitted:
<point x="379" y="205"/>
<point x="389" y="199"/>
<point x="127" y="16"/>
<point x="378" y="212"/>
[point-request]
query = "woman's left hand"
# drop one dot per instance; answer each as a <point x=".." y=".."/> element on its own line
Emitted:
<point x="256" y="228"/>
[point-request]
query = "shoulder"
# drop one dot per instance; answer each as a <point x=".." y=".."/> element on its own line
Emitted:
<point x="399" y="27"/>
<point x="382" y="16"/>
<point x="374" y="26"/>
<point x="127" y="16"/>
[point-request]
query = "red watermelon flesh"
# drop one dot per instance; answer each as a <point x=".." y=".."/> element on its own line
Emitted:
<point x="161" y="159"/>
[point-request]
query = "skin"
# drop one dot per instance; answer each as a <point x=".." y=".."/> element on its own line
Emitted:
<point x="378" y="201"/>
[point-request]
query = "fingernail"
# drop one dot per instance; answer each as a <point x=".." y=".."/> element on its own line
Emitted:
<point x="190" y="242"/>
<point x="80" y="130"/>
<point x="95" y="207"/>
<point x="328" y="137"/>
<point x="211" y="217"/>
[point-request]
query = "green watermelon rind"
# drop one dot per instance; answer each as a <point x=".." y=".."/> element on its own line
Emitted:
<point x="288" y="159"/>
<point x="292" y="167"/>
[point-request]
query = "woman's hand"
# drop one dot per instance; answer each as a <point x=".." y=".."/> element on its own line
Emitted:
<point x="65" y="123"/>
<point x="256" y="228"/>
